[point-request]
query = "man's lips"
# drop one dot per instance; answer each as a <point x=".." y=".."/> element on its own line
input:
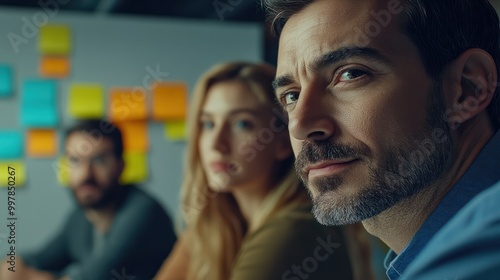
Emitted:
<point x="327" y="167"/>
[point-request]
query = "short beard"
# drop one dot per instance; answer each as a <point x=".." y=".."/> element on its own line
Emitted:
<point x="109" y="195"/>
<point x="403" y="172"/>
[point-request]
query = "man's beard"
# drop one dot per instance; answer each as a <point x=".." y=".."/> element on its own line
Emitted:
<point x="109" y="195"/>
<point x="402" y="171"/>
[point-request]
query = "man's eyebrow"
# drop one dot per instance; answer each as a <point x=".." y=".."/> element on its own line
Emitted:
<point x="235" y="112"/>
<point x="345" y="53"/>
<point x="282" y="81"/>
<point x="334" y="57"/>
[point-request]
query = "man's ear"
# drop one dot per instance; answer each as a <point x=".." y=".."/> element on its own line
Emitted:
<point x="469" y="84"/>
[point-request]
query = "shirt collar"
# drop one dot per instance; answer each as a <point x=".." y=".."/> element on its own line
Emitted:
<point x="480" y="175"/>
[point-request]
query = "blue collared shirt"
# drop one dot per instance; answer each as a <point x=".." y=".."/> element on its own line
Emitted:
<point x="483" y="173"/>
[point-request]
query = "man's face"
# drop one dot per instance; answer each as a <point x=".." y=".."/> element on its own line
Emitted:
<point x="94" y="170"/>
<point x="365" y="119"/>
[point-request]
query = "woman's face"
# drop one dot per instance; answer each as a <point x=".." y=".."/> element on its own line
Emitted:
<point x="239" y="143"/>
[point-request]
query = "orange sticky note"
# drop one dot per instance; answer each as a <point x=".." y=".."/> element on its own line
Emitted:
<point x="54" y="66"/>
<point x="127" y="104"/>
<point x="169" y="101"/>
<point x="135" y="136"/>
<point x="41" y="143"/>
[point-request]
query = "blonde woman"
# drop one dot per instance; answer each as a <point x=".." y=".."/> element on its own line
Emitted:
<point x="247" y="216"/>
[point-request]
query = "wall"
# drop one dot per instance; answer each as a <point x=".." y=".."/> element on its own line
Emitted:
<point x="113" y="51"/>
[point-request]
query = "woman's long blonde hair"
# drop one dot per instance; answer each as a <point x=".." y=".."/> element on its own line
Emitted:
<point x="215" y="224"/>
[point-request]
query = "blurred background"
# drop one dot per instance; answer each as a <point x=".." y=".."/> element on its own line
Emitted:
<point x="65" y="60"/>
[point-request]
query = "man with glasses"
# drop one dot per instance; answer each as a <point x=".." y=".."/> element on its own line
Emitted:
<point x="117" y="231"/>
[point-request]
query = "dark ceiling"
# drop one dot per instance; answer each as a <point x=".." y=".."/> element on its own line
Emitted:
<point x="227" y="10"/>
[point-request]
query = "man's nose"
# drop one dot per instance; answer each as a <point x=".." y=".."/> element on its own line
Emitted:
<point x="312" y="117"/>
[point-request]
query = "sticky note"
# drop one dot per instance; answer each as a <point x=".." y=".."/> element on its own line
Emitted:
<point x="135" y="136"/>
<point x="86" y="101"/>
<point x="39" y="104"/>
<point x="127" y="104"/>
<point x="54" y="66"/>
<point x="169" y="101"/>
<point x="11" y="145"/>
<point x="175" y="130"/>
<point x="62" y="169"/>
<point x="41" y="143"/>
<point x="136" y="168"/>
<point x="12" y="173"/>
<point x="5" y="80"/>
<point x="54" y="39"/>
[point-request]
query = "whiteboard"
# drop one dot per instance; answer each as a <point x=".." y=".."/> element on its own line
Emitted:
<point x="114" y="51"/>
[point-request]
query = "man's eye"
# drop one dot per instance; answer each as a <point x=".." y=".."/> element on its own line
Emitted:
<point x="73" y="160"/>
<point x="290" y="97"/>
<point x="352" y="74"/>
<point x="100" y="160"/>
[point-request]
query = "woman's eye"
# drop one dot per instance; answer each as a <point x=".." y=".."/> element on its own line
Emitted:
<point x="243" y="124"/>
<point x="289" y="97"/>
<point x="352" y="74"/>
<point x="207" y="124"/>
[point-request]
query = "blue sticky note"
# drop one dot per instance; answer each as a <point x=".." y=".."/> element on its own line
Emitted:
<point x="5" y="80"/>
<point x="39" y="104"/>
<point x="11" y="145"/>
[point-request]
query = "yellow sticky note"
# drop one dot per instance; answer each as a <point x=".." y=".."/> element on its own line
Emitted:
<point x="136" y="168"/>
<point x="54" y="39"/>
<point x="86" y="101"/>
<point x="12" y="173"/>
<point x="175" y="130"/>
<point x="169" y="101"/>
<point x="41" y="143"/>
<point x="127" y="104"/>
<point x="62" y="169"/>
<point x="135" y="136"/>
<point x="54" y="66"/>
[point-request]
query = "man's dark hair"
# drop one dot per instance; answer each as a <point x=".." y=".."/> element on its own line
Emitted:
<point x="100" y="129"/>
<point x="440" y="29"/>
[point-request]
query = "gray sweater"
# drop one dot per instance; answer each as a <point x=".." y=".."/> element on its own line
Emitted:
<point x="140" y="238"/>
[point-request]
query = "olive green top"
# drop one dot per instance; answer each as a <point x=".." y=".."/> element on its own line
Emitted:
<point x="293" y="246"/>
